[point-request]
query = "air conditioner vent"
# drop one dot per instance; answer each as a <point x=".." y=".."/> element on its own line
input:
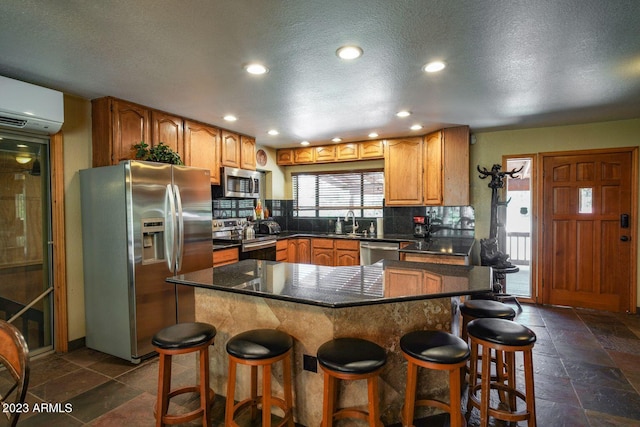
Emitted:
<point x="8" y="121"/>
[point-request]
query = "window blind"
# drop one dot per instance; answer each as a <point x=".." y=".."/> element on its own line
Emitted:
<point x="333" y="194"/>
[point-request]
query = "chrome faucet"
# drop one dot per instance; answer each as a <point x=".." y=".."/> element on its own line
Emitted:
<point x="354" y="226"/>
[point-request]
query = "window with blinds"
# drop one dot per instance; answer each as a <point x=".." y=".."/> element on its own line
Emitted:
<point x="331" y="194"/>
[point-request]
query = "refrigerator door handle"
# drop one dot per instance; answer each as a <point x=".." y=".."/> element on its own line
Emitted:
<point x="170" y="240"/>
<point x="180" y="227"/>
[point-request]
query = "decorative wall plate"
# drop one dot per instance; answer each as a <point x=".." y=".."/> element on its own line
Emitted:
<point x="261" y="157"/>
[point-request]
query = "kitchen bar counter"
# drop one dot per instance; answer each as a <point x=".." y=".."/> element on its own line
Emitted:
<point x="314" y="304"/>
<point x="383" y="282"/>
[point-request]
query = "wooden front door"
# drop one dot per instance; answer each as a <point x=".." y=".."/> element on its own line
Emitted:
<point x="588" y="249"/>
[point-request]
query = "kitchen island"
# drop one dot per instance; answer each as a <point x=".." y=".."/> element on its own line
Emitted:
<point x="314" y="304"/>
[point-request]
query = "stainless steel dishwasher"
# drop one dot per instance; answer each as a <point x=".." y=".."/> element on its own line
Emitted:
<point x="372" y="252"/>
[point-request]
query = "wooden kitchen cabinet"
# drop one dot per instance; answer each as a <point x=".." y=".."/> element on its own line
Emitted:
<point x="403" y="162"/>
<point x="116" y="126"/>
<point x="202" y="148"/>
<point x="304" y="155"/>
<point x="371" y="150"/>
<point x="325" y="153"/>
<point x="446" y="167"/>
<point x="299" y="251"/>
<point x="322" y="252"/>
<point x="281" y="250"/>
<point x="225" y="256"/>
<point x="230" y="149"/>
<point x="347" y="252"/>
<point x="347" y="151"/>
<point x="401" y="282"/>
<point x="247" y="152"/>
<point x="284" y="156"/>
<point x="435" y="258"/>
<point x="168" y="129"/>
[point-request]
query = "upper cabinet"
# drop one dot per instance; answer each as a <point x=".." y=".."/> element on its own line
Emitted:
<point x="403" y="172"/>
<point x="116" y="126"/>
<point x="230" y="149"/>
<point x="346" y="152"/>
<point x="202" y="148"/>
<point x="446" y="167"/>
<point x="430" y="172"/>
<point x="167" y="129"/>
<point x="247" y="152"/>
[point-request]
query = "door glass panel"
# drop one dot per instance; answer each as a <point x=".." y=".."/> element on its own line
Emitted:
<point x="25" y="298"/>
<point x="518" y="226"/>
<point x="585" y="203"/>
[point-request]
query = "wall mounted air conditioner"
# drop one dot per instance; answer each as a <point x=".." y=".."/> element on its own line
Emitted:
<point x="30" y="107"/>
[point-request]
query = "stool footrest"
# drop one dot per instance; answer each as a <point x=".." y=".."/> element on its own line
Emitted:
<point x="251" y="402"/>
<point x="351" y="412"/>
<point x="189" y="416"/>
<point x="504" y="415"/>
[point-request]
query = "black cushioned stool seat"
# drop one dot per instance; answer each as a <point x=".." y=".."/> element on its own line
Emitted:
<point x="177" y="339"/>
<point x="260" y="347"/>
<point x="480" y="308"/>
<point x="350" y="359"/>
<point x="506" y="338"/>
<point x="437" y="350"/>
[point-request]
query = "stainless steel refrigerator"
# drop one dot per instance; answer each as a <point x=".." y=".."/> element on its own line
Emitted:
<point x="141" y="222"/>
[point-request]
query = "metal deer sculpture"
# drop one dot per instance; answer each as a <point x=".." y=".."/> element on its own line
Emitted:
<point x="489" y="253"/>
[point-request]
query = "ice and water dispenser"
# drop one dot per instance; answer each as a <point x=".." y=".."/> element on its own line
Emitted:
<point x="152" y="240"/>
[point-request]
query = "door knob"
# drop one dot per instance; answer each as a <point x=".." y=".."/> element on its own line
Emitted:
<point x="624" y="238"/>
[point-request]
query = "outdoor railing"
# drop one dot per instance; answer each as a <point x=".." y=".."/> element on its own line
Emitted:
<point x="519" y="247"/>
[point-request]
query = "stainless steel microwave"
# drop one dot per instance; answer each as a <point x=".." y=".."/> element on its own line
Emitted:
<point x="240" y="183"/>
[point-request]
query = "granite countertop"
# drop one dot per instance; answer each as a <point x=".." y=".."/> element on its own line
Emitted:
<point x="457" y="246"/>
<point x="336" y="287"/>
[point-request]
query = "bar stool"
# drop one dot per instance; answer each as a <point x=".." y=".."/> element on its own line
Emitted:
<point x="434" y="350"/>
<point x="508" y="338"/>
<point x="350" y="359"/>
<point x="482" y="308"/>
<point x="177" y="339"/>
<point x="260" y="347"/>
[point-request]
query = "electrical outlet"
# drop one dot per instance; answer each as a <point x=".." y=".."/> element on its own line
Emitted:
<point x="310" y="363"/>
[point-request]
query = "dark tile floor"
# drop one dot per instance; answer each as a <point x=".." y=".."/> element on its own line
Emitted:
<point x="587" y="373"/>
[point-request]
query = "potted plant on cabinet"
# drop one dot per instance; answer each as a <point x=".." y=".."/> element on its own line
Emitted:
<point x="160" y="153"/>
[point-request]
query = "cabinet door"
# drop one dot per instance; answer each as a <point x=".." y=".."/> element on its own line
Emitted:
<point x="225" y="256"/>
<point x="167" y="129"/>
<point x="202" y="148"/>
<point x="247" y="153"/>
<point x="304" y="251"/>
<point x="130" y="126"/>
<point x="348" y="151"/>
<point x="303" y="155"/>
<point x="347" y="257"/>
<point x="284" y="156"/>
<point x="433" y="168"/>
<point x="371" y="149"/>
<point x="455" y="164"/>
<point x="402" y="282"/>
<point x="325" y="153"/>
<point x="282" y="251"/>
<point x="322" y="252"/>
<point x="230" y="150"/>
<point x="403" y="172"/>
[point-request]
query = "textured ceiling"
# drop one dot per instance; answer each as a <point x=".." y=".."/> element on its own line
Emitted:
<point x="510" y="64"/>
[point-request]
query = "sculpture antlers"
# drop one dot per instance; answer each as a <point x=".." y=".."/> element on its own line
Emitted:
<point x="497" y="177"/>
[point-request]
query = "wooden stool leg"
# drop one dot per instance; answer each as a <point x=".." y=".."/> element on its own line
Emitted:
<point x="473" y="368"/>
<point x="204" y="388"/>
<point x="455" y="415"/>
<point x="528" y="378"/>
<point x="164" y="387"/>
<point x="231" y="392"/>
<point x="410" y="394"/>
<point x="288" y="388"/>
<point x="374" y="416"/>
<point x="329" y="402"/>
<point x="266" y="396"/>
<point x="254" y="392"/>
<point x="485" y="389"/>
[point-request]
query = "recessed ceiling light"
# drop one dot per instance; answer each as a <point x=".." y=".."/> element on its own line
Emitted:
<point x="23" y="160"/>
<point x="349" y="52"/>
<point x="230" y="118"/>
<point x="416" y="127"/>
<point x="336" y="139"/>
<point x="20" y="145"/>
<point x="403" y="113"/>
<point x="255" y="68"/>
<point x="304" y="143"/>
<point x="373" y="135"/>
<point x="433" y="67"/>
<point x="273" y="132"/>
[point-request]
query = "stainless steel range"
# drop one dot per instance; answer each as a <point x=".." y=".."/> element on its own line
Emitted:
<point x="232" y="230"/>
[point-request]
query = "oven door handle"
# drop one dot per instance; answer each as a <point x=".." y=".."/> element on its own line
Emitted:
<point x="246" y="247"/>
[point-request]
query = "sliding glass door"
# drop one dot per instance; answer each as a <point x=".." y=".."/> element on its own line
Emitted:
<point x="26" y="297"/>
